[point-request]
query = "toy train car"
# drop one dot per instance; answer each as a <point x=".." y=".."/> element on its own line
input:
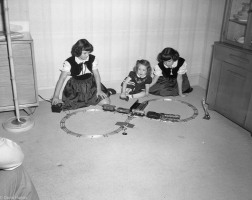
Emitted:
<point x="137" y="112"/>
<point x="123" y="110"/>
<point x="108" y="107"/>
<point x="169" y="117"/>
<point x="153" y="115"/>
<point x="134" y="106"/>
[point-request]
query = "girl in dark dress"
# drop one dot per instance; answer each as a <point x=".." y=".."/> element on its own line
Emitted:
<point x="170" y="78"/>
<point x="84" y="88"/>
<point x="136" y="84"/>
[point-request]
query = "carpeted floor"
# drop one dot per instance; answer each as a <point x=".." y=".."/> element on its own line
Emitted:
<point x="194" y="160"/>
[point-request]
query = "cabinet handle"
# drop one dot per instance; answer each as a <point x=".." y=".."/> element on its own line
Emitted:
<point x="245" y="60"/>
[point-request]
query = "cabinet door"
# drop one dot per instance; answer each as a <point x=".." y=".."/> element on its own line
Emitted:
<point x="234" y="92"/>
<point x="237" y="26"/>
<point x="248" y="122"/>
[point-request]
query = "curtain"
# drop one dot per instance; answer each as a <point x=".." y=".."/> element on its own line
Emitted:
<point x="121" y="32"/>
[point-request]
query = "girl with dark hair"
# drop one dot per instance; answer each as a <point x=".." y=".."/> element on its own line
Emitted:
<point x="170" y="78"/>
<point x="84" y="88"/>
<point x="136" y="84"/>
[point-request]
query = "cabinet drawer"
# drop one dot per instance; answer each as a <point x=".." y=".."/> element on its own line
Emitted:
<point x="25" y="74"/>
<point x="25" y="92"/>
<point x="3" y="51"/>
<point x="4" y="76"/>
<point x="19" y="51"/>
<point x="6" y="97"/>
<point x="236" y="57"/>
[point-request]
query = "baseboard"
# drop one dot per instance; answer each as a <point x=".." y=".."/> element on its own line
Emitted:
<point x="198" y="80"/>
<point x="116" y="85"/>
<point x="46" y="93"/>
<point x="203" y="81"/>
<point x="195" y="80"/>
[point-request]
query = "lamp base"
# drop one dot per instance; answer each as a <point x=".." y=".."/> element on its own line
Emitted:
<point x="14" y="125"/>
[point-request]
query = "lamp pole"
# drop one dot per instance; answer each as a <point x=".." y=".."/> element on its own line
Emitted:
<point x="16" y="124"/>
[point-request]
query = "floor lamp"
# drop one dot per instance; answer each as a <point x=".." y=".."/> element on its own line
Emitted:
<point x="18" y="123"/>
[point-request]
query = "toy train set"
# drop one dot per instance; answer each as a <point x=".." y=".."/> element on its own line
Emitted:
<point x="137" y="109"/>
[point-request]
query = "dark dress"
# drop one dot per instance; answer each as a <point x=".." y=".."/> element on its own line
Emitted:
<point x="137" y="84"/>
<point x="167" y="85"/>
<point x="80" y="90"/>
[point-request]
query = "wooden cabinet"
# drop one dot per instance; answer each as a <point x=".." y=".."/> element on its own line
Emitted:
<point x="230" y="84"/>
<point x="237" y="26"/>
<point x="248" y="121"/>
<point x="229" y="89"/>
<point x="25" y="74"/>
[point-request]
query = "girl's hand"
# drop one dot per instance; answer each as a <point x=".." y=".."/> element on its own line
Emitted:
<point x="123" y="95"/>
<point x="101" y="94"/>
<point x="56" y="100"/>
<point x="146" y="94"/>
<point x="182" y="95"/>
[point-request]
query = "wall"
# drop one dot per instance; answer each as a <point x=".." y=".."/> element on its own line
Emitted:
<point x="121" y="31"/>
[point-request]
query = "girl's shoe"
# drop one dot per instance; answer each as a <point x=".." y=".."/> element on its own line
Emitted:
<point x="111" y="91"/>
<point x="188" y="90"/>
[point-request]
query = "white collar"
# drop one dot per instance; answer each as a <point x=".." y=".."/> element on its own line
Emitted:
<point x="173" y="65"/>
<point x="140" y="76"/>
<point x="81" y="61"/>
